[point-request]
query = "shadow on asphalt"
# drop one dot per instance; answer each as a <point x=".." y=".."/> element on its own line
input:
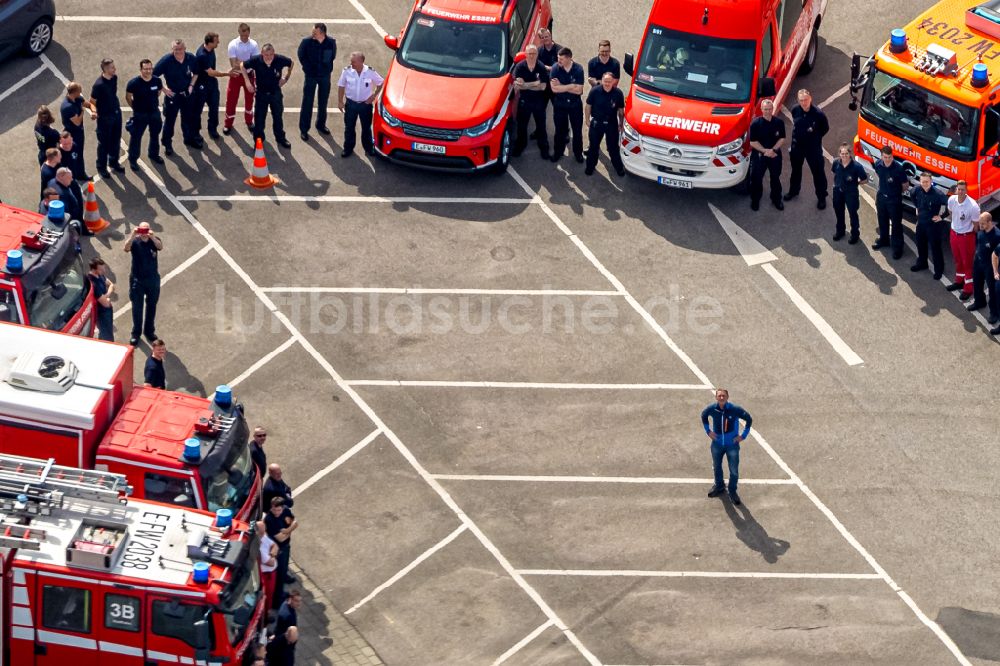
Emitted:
<point x="753" y="534"/>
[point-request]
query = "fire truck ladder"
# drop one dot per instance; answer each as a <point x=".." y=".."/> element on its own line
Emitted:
<point x="31" y="487"/>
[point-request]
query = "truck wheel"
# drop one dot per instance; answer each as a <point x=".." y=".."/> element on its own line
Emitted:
<point x="504" y="158"/>
<point x="39" y="37"/>
<point x="811" y="51"/>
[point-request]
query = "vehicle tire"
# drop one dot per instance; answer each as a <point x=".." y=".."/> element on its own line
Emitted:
<point x="505" y="145"/>
<point x="811" y="52"/>
<point x="39" y="37"/>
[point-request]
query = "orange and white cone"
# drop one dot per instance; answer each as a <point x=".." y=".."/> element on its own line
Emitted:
<point x="91" y="215"/>
<point x="259" y="176"/>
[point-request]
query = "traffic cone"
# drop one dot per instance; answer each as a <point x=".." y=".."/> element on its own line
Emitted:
<point x="259" y="176"/>
<point x="91" y="215"/>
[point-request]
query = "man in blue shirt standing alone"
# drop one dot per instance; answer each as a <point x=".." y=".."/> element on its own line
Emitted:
<point x="726" y="438"/>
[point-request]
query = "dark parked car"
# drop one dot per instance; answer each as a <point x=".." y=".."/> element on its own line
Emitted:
<point x="25" y="25"/>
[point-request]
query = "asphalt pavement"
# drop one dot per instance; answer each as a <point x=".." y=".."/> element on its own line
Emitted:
<point x="486" y="389"/>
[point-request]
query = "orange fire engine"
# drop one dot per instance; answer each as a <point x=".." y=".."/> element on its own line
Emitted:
<point x="930" y="93"/>
<point x="93" y="579"/>
<point x="72" y="399"/>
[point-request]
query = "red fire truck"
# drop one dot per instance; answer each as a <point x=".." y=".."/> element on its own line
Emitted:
<point x="447" y="98"/>
<point x="93" y="579"/>
<point x="703" y="65"/>
<point x="72" y="399"/>
<point x="43" y="281"/>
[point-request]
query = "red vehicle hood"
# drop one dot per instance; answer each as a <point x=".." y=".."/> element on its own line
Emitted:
<point x="686" y="121"/>
<point x="442" y="101"/>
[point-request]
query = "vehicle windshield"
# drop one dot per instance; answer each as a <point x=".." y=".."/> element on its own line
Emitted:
<point x="920" y="116"/>
<point x="53" y="304"/>
<point x="696" y="66"/>
<point x="453" y="48"/>
<point x="8" y="306"/>
<point x="239" y="601"/>
<point x="231" y="486"/>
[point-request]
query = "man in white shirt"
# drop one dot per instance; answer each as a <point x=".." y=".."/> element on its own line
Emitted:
<point x="360" y="84"/>
<point x="268" y="561"/>
<point x="964" y="212"/>
<point x="240" y="50"/>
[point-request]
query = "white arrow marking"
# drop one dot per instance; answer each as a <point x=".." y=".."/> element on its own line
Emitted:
<point x="749" y="248"/>
<point x="754" y="254"/>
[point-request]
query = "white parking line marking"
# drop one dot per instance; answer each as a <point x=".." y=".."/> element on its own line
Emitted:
<point x="274" y="198"/>
<point x="756" y="254"/>
<point x="408" y="568"/>
<point x="23" y="82"/>
<point x="368" y="17"/>
<point x="204" y="19"/>
<point x="516" y="647"/>
<point x="920" y="615"/>
<point x="528" y="385"/>
<point x="126" y="307"/>
<point x="628" y="573"/>
<point x="815" y="318"/>
<point x="423" y="291"/>
<point x="831" y="98"/>
<point x="603" y="479"/>
<point x="261" y="362"/>
<point x="344" y="457"/>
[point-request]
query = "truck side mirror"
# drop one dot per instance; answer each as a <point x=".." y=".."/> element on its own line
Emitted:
<point x="520" y="56"/>
<point x="629" y="63"/>
<point x="392" y="41"/>
<point x="202" y="639"/>
<point x="765" y="87"/>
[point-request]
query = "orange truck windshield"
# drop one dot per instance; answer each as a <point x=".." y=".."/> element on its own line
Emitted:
<point x="920" y="116"/>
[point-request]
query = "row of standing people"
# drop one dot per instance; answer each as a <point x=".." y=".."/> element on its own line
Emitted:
<point x="549" y="74"/>
<point x="187" y="84"/>
<point x="971" y="233"/>
<point x="275" y="531"/>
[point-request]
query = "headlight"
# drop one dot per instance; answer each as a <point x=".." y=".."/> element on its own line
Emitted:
<point x="732" y="146"/>
<point x="480" y="129"/>
<point x="390" y="120"/>
<point x="629" y="131"/>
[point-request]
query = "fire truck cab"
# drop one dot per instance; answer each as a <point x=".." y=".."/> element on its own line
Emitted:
<point x="447" y="103"/>
<point x="930" y="93"/>
<point x="91" y="578"/>
<point x="73" y="399"/>
<point x="701" y="69"/>
<point x="43" y="281"/>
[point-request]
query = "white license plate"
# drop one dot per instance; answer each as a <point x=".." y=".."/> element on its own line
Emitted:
<point x="673" y="182"/>
<point x="428" y="148"/>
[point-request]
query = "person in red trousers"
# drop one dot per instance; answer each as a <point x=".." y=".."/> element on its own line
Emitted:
<point x="964" y="213"/>
<point x="240" y="50"/>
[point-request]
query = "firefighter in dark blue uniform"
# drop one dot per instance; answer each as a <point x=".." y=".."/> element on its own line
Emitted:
<point x="984" y="285"/>
<point x="892" y="182"/>
<point x="809" y="126"/>
<point x="104" y="101"/>
<point x="767" y="136"/>
<point x="531" y="79"/>
<point x="929" y="202"/>
<point x="567" y="104"/>
<point x="604" y="114"/>
<point x="179" y="71"/>
<point x="206" y="87"/>
<point x="848" y="174"/>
